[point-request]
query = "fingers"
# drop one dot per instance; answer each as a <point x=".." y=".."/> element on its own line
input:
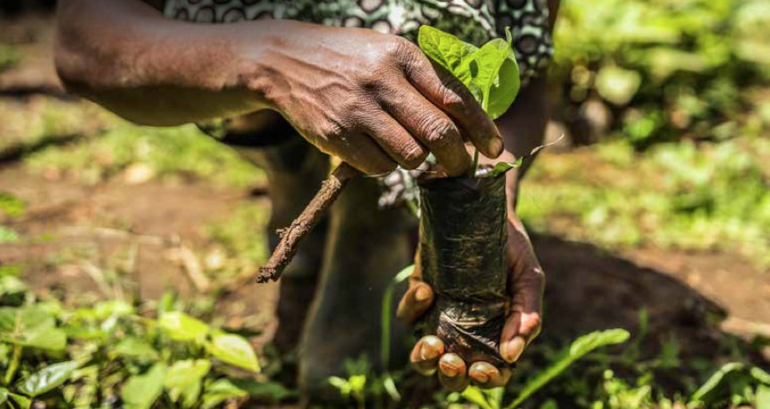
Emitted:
<point x="396" y="141"/>
<point x="451" y="96"/>
<point x="431" y="126"/>
<point x="486" y="375"/>
<point x="425" y="355"/>
<point x="526" y="285"/>
<point x="524" y="322"/>
<point x="453" y="372"/>
<point x="365" y="155"/>
<point x="415" y="302"/>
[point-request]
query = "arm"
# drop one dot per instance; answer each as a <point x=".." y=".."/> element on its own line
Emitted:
<point x="373" y="100"/>
<point x="126" y="56"/>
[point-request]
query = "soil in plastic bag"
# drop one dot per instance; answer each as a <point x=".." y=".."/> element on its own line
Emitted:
<point x="463" y="256"/>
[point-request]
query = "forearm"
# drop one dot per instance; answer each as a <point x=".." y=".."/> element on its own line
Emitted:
<point x="127" y="57"/>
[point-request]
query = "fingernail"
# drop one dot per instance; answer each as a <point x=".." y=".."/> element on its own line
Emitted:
<point x="481" y="377"/>
<point x="449" y="368"/>
<point x="496" y="146"/>
<point x="480" y="372"/>
<point x="422" y="294"/>
<point x="430" y="348"/>
<point x="511" y="350"/>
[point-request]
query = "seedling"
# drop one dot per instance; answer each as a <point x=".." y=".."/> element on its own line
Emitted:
<point x="490" y="72"/>
<point x="463" y="224"/>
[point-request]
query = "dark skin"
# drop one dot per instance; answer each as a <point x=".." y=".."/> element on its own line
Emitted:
<point x="373" y="100"/>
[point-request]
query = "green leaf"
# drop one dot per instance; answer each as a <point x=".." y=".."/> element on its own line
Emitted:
<point x="221" y="391"/>
<point x="497" y="76"/>
<point x="474" y="395"/>
<point x="579" y="348"/>
<point x="22" y="401"/>
<point x="504" y="167"/>
<point x="447" y="50"/>
<point x="234" y="350"/>
<point x="7" y="235"/>
<point x="763" y="397"/>
<point x="3" y="395"/>
<point x="588" y="343"/>
<point x="184" y="379"/>
<point x="48" y="378"/>
<point x="490" y="73"/>
<point x="52" y="339"/>
<point x="32" y="326"/>
<point x="11" y="205"/>
<point x="714" y="380"/>
<point x="135" y="348"/>
<point x="385" y="312"/>
<point x="141" y="391"/>
<point x="182" y="327"/>
<point x="618" y="85"/>
<point x="760" y="375"/>
<point x="113" y="308"/>
<point x="390" y="387"/>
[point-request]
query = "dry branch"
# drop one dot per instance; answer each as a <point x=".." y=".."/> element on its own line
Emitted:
<point x="304" y="224"/>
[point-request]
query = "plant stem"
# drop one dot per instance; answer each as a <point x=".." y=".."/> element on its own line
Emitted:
<point x="475" y="165"/>
<point x="14" y="365"/>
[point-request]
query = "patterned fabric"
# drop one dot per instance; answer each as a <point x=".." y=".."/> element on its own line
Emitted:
<point x="474" y="21"/>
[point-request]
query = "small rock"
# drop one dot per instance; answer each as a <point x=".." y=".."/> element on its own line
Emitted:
<point x="138" y="173"/>
<point x="215" y="259"/>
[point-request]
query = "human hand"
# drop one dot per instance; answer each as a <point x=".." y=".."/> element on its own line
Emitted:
<point x="373" y="100"/>
<point x="525" y="287"/>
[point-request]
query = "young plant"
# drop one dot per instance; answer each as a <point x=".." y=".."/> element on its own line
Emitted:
<point x="490" y="72"/>
<point x="59" y="357"/>
<point x="463" y="229"/>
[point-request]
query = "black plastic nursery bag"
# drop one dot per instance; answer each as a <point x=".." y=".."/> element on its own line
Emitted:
<point x="463" y="256"/>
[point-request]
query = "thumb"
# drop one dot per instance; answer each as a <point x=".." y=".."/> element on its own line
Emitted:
<point x="415" y="302"/>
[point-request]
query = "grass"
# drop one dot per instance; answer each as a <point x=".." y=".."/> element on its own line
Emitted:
<point x="676" y="196"/>
<point x="9" y="56"/>
<point x="167" y="152"/>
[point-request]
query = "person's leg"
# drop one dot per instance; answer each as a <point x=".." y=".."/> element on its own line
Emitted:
<point x="366" y="247"/>
<point x="295" y="170"/>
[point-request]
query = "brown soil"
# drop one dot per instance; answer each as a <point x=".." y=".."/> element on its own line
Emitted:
<point x="587" y="288"/>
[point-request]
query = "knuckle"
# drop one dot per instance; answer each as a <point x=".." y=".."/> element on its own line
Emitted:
<point x="401" y="51"/>
<point x="437" y="131"/>
<point x="536" y="321"/>
<point x="331" y="130"/>
<point x="452" y="97"/>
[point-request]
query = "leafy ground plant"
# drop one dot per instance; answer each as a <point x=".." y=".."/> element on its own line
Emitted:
<point x="110" y="353"/>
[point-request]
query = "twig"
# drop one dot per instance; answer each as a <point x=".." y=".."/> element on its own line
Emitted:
<point x="193" y="268"/>
<point x="302" y="225"/>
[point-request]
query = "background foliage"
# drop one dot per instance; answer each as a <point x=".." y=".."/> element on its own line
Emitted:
<point x="667" y="106"/>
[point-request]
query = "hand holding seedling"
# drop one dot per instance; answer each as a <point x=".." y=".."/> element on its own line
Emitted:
<point x="492" y="76"/>
<point x="525" y="288"/>
<point x="376" y="101"/>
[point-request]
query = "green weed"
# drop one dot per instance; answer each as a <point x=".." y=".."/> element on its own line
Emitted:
<point x="167" y="152"/>
<point x="685" y="195"/>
